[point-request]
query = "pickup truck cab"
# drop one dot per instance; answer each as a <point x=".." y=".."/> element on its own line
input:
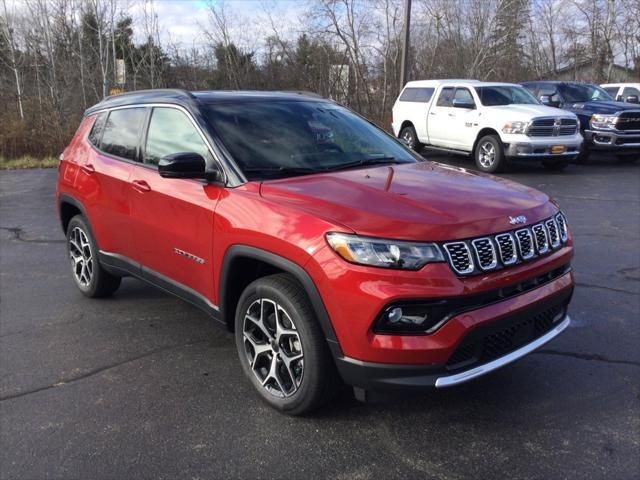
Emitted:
<point x="607" y="125"/>
<point x="493" y="122"/>
<point x="623" y="92"/>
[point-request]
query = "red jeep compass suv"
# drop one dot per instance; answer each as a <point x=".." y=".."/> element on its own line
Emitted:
<point x="331" y="250"/>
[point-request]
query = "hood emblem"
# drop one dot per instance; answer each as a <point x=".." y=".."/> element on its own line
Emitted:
<point x="520" y="219"/>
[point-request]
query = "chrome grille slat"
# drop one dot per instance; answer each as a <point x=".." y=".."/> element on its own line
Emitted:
<point x="493" y="252"/>
<point x="525" y="243"/>
<point x="552" y="127"/>
<point x="460" y="257"/>
<point x="507" y="246"/>
<point x="485" y="253"/>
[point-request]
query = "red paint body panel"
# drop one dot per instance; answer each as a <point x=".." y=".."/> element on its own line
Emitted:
<point x="136" y="213"/>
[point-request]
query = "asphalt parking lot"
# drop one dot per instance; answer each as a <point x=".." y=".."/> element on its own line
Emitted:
<point x="143" y="385"/>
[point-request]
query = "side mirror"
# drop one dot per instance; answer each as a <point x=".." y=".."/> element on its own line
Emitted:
<point x="458" y="103"/>
<point x="187" y="165"/>
<point x="546" y="100"/>
<point x="633" y="99"/>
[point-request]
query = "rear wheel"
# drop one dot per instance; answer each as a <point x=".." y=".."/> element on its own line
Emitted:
<point x="489" y="154"/>
<point x="408" y="134"/>
<point x="555" y="165"/>
<point x="88" y="274"/>
<point x="281" y="347"/>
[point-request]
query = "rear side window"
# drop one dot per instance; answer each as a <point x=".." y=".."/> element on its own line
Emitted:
<point x="171" y="131"/>
<point x="417" y="95"/>
<point x="613" y="91"/>
<point x="122" y="132"/>
<point x="97" y="129"/>
<point x="464" y="95"/>
<point x="444" y="100"/>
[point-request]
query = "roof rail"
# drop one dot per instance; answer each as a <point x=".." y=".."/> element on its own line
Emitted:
<point x="151" y="90"/>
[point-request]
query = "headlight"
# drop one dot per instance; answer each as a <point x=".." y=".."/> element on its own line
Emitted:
<point x="384" y="253"/>
<point x="515" y="127"/>
<point x="603" y="121"/>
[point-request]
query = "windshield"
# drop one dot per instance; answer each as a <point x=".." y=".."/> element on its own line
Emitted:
<point x="575" y="93"/>
<point x="271" y="139"/>
<point x="505" y="95"/>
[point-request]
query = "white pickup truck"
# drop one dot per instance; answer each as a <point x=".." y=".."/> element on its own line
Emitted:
<point x="492" y="121"/>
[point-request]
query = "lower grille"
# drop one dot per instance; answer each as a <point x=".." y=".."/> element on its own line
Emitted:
<point x="504" y="336"/>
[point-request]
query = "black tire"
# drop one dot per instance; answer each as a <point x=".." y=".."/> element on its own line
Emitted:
<point x="89" y="276"/>
<point x="487" y="146"/>
<point x="318" y="379"/>
<point x="409" y="134"/>
<point x="555" y="165"/>
<point x="628" y="157"/>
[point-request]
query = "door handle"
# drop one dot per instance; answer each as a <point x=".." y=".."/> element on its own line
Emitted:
<point x="452" y="114"/>
<point x="88" y="167"/>
<point x="141" y="186"/>
<point x="432" y="113"/>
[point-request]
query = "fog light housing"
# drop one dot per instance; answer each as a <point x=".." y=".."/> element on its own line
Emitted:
<point x="411" y="318"/>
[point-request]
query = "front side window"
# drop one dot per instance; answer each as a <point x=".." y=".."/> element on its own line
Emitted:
<point x="122" y="132"/>
<point x="577" y="92"/>
<point x="630" y="91"/>
<point x="289" y="137"/>
<point x="444" y="100"/>
<point x="505" y="95"/>
<point x="171" y="131"/>
<point x="464" y="95"/>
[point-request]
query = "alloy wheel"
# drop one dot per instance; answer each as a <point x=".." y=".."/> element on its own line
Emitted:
<point x="487" y="154"/>
<point x="273" y="348"/>
<point x="407" y="136"/>
<point x="81" y="257"/>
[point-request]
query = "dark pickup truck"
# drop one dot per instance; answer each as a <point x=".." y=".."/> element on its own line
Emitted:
<point x="606" y="125"/>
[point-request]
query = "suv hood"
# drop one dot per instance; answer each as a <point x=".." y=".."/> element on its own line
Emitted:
<point x="528" y="112"/>
<point x="421" y="201"/>
<point x="604" y="107"/>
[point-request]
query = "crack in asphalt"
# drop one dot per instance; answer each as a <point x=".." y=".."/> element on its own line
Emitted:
<point x="587" y="356"/>
<point x="90" y="373"/>
<point x="619" y="290"/>
<point x="18" y="234"/>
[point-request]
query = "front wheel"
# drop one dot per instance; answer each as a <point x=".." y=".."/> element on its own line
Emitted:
<point x="489" y="154"/>
<point x="281" y="347"/>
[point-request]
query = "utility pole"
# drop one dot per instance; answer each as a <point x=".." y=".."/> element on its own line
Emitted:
<point x="405" y="45"/>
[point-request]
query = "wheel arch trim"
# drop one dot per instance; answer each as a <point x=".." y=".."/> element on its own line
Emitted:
<point x="300" y="274"/>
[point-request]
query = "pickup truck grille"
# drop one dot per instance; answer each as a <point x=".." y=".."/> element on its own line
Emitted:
<point x="552" y="127"/>
<point x="489" y="253"/>
<point x="628" y="121"/>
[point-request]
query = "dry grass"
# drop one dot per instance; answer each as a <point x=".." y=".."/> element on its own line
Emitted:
<point x="27" y="162"/>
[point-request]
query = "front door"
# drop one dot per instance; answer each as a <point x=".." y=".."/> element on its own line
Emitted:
<point x="173" y="218"/>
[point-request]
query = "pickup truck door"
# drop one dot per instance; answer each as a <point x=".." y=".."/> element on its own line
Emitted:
<point x="462" y="120"/>
<point x="438" y="120"/>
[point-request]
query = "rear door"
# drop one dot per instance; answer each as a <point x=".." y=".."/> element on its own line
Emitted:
<point x="103" y="181"/>
<point x="173" y="218"/>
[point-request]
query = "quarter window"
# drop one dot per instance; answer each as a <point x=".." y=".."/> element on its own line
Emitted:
<point x="96" y="130"/>
<point x="171" y="131"/>
<point x="122" y="132"/>
<point x="444" y="100"/>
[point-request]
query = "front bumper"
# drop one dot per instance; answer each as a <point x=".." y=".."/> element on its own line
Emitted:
<point x="613" y="141"/>
<point x="544" y="150"/>
<point x="385" y="377"/>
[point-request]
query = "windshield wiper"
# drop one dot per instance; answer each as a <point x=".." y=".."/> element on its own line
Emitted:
<point x="365" y="162"/>
<point x="281" y="170"/>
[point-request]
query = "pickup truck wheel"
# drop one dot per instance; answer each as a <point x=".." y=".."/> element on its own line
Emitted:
<point x="555" y="165"/>
<point x="489" y="154"/>
<point x="281" y="347"/>
<point x="408" y="134"/>
<point x="91" y="279"/>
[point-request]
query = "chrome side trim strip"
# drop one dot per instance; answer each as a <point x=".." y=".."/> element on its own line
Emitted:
<point x="451" y="380"/>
